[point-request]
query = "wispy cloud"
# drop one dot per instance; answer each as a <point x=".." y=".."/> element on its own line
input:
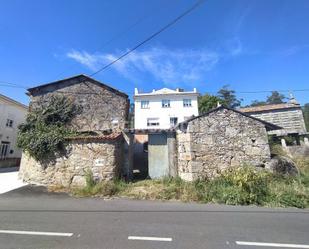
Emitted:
<point x="293" y="50"/>
<point x="169" y="66"/>
<point x="89" y="60"/>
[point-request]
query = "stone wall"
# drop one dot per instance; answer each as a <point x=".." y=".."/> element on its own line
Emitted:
<point x="291" y="120"/>
<point x="102" y="108"/>
<point x="103" y="158"/>
<point x="221" y="139"/>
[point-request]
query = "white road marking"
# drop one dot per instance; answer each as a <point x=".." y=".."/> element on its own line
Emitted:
<point x="247" y="243"/>
<point x="36" y="233"/>
<point x="149" y="238"/>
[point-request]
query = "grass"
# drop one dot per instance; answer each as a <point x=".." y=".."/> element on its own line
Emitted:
<point x="237" y="186"/>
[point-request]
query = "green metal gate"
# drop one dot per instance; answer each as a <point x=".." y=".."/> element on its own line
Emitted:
<point x="158" y="164"/>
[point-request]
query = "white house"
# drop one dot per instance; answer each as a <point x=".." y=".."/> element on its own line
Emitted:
<point x="12" y="113"/>
<point x="164" y="108"/>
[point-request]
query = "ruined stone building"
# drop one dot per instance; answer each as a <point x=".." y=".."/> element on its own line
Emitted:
<point x="104" y="111"/>
<point x="103" y="107"/>
<point x="287" y="115"/>
<point x="219" y="139"/>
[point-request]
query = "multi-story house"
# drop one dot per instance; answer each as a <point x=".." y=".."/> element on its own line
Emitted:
<point x="12" y="113"/>
<point x="164" y="108"/>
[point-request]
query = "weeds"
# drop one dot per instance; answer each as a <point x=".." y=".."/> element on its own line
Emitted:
<point x="237" y="186"/>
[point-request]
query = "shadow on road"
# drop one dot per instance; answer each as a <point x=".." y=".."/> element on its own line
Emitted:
<point x="11" y="169"/>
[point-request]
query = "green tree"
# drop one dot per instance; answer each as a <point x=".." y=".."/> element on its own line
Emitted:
<point x="208" y="102"/>
<point x="257" y="103"/>
<point x="228" y="97"/>
<point x="306" y="115"/>
<point x="275" y="98"/>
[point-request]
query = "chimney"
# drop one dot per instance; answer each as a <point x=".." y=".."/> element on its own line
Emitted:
<point x="194" y="89"/>
<point x="135" y="91"/>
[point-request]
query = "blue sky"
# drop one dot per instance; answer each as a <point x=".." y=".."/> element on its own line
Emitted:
<point x="252" y="45"/>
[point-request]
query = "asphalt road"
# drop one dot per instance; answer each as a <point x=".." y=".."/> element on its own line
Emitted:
<point x="124" y="224"/>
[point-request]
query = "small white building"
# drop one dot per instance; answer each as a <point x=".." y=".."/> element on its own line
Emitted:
<point x="12" y="113"/>
<point x="164" y="108"/>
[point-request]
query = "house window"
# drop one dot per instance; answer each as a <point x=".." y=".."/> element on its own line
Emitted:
<point x="166" y="103"/>
<point x="187" y="103"/>
<point x="144" y="104"/>
<point x="153" y="122"/>
<point x="173" y="121"/>
<point x="4" y="149"/>
<point x="9" y="123"/>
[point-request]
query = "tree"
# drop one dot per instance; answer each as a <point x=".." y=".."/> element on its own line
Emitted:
<point x="228" y="97"/>
<point x="306" y="115"/>
<point x="208" y="102"/>
<point x="275" y="98"/>
<point x="257" y="103"/>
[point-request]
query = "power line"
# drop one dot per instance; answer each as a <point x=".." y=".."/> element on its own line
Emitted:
<point x="7" y="84"/>
<point x="197" y="4"/>
<point x="123" y="32"/>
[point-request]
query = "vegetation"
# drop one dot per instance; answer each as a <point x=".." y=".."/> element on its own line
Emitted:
<point x="238" y="186"/>
<point x="274" y="98"/>
<point x="257" y="103"/>
<point x="208" y="102"/>
<point x="228" y="96"/>
<point x="225" y="96"/>
<point x="44" y="131"/>
<point x="306" y="115"/>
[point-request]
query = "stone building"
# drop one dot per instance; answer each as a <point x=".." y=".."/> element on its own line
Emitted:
<point x="287" y="115"/>
<point x="221" y="138"/>
<point x="103" y="107"/>
<point x="102" y="155"/>
<point x="104" y="112"/>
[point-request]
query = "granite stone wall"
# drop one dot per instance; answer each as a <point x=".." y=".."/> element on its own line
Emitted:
<point x="103" y="158"/>
<point x="292" y="120"/>
<point x="223" y="138"/>
<point x="102" y="108"/>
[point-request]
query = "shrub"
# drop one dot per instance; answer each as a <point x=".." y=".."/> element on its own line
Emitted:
<point x="237" y="186"/>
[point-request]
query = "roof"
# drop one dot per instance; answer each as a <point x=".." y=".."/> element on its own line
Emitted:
<point x="13" y="101"/>
<point x="268" y="125"/>
<point x="103" y="137"/>
<point x="81" y="78"/>
<point x="263" y="108"/>
<point x="166" y="91"/>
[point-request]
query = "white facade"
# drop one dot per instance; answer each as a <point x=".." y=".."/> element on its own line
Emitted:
<point x="164" y="109"/>
<point x="12" y="113"/>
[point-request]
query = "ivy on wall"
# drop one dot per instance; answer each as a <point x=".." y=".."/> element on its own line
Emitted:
<point x="45" y="130"/>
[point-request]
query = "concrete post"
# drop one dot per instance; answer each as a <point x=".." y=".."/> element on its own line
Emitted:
<point x="306" y="141"/>
<point x="283" y="143"/>
<point x="172" y="154"/>
<point x="128" y="155"/>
